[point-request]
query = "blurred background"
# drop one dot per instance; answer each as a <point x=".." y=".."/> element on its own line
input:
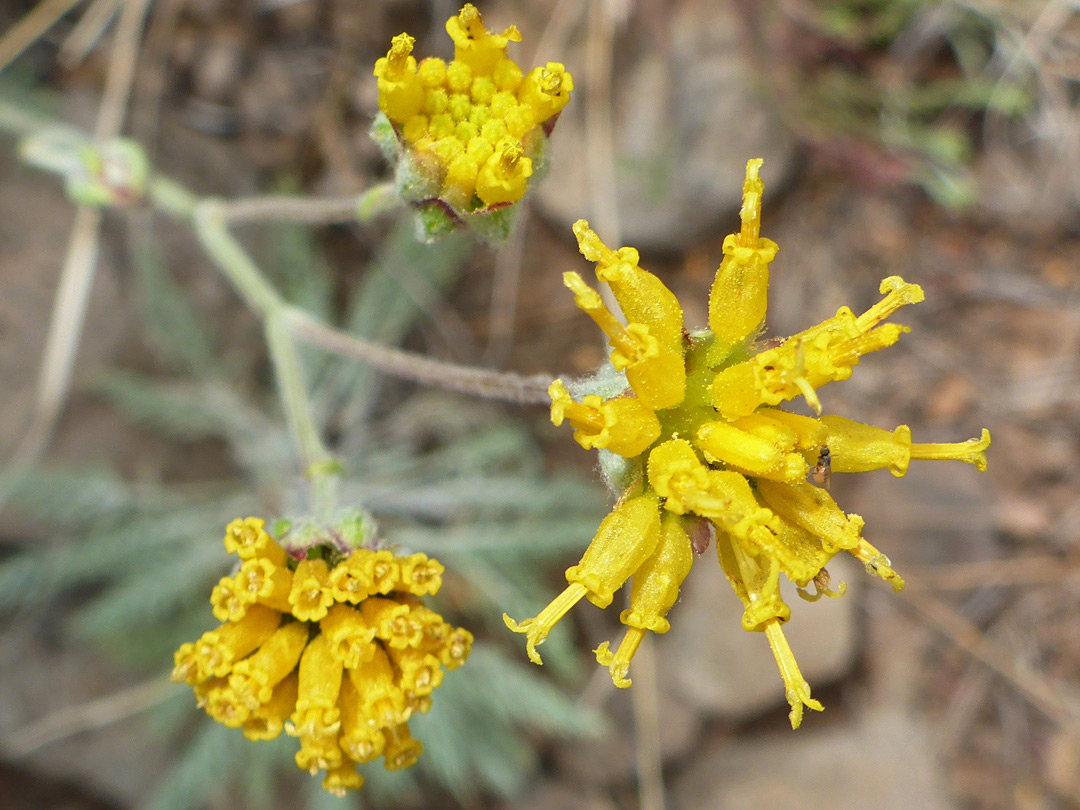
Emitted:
<point x="938" y="141"/>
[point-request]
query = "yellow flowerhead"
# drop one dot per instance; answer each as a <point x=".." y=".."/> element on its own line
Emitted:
<point x="466" y="136"/>
<point x="690" y="431"/>
<point x="327" y="642"/>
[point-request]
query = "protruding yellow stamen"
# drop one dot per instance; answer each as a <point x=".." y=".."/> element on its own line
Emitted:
<point x="618" y="664"/>
<point x="472" y="22"/>
<point x="972" y="451"/>
<point x="898" y="293"/>
<point x="563" y="407"/>
<point x="397" y="57"/>
<point x="877" y="564"/>
<point x="504" y="176"/>
<point x="796" y="688"/>
<point x="623" y="425"/>
<point x="536" y="630"/>
<point x="750" y="214"/>
<point x="589" y="301"/>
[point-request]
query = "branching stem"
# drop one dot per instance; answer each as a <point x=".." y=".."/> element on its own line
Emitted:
<point x="285" y="324"/>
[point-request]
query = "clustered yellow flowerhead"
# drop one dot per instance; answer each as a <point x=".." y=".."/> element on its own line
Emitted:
<point x="334" y="647"/>
<point x="467" y="133"/>
<point x="691" y="435"/>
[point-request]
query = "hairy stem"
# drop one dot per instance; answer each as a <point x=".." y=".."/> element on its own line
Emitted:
<point x="479" y="382"/>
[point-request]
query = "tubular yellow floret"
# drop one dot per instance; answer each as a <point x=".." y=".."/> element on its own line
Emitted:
<point x="376" y="684"/>
<point x="351" y="639"/>
<point x="643" y="297"/>
<point x="381" y="615"/>
<point x="421" y="672"/>
<point x="217" y="650"/>
<point x="456" y="648"/>
<point x="739" y="295"/>
<point x="254" y="678"/>
<point x="401" y="749"/>
<point x="310" y="596"/>
<point x="265" y="583"/>
<point x="341" y="779"/>
<point x="401" y="95"/>
<point x="320" y="676"/>
<point x="746" y="452"/>
<point x="796" y="688"/>
<point x="268" y="721"/>
<point x="350" y="581"/>
<point x="625" y="539"/>
<point x="856" y="447"/>
<point x="248" y="538"/>
<point x="383" y="571"/>
<point x="229" y="601"/>
<point x="505" y="175"/>
<point x="814" y="509"/>
<point x="420" y="575"/>
<point x="546" y="90"/>
<point x="624" y="426"/>
<point x="971" y="451"/>
<point x="474" y="45"/>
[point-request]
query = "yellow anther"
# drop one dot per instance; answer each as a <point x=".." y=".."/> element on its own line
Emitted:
<point x="546" y="90"/>
<point x="397" y="58"/>
<point x="898" y="293"/>
<point x="877" y="564"/>
<point x="624" y="425"/>
<point x="618" y="664"/>
<point x="505" y="174"/>
<point x="474" y="45"/>
<point x="971" y="452"/>
<point x="750" y="213"/>
<point x="401" y="94"/>
<point x="536" y="630"/>
<point x="796" y="689"/>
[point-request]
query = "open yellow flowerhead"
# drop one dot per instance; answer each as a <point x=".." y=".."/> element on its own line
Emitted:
<point x="693" y="439"/>
<point x="323" y="635"/>
<point x="466" y="137"/>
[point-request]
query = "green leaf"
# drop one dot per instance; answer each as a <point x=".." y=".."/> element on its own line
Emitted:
<point x="385" y="308"/>
<point x="174" y="409"/>
<point x="70" y="498"/>
<point x="201" y="770"/>
<point x="174" y="326"/>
